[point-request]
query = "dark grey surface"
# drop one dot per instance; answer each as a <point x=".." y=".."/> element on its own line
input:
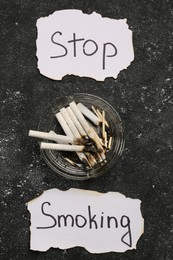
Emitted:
<point x="142" y="95"/>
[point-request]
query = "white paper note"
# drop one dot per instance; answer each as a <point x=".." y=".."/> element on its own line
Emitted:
<point x="99" y="222"/>
<point x="71" y="42"/>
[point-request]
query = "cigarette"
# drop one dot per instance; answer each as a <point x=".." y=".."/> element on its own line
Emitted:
<point x="85" y="124"/>
<point x="76" y="122"/>
<point x="80" y="117"/>
<point x="69" y="122"/>
<point x="64" y="125"/>
<point x="72" y="140"/>
<point x="89" y="114"/>
<point x="52" y="136"/>
<point x="65" y="147"/>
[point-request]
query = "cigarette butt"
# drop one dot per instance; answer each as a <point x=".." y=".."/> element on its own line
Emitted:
<point x="68" y="139"/>
<point x="51" y="136"/>
<point x="80" y="117"/>
<point x="62" y="147"/>
<point x="67" y="147"/>
<point x="89" y="114"/>
<point x="64" y="125"/>
<point x="76" y="122"/>
<point x="69" y="122"/>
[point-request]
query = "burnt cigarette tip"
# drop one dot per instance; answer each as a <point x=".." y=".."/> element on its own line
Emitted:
<point x="91" y="149"/>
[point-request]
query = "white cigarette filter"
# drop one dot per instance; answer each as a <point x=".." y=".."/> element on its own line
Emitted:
<point x="62" y="147"/>
<point x="51" y="136"/>
<point x="89" y="114"/>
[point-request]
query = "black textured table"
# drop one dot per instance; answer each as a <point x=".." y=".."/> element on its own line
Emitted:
<point x="143" y="96"/>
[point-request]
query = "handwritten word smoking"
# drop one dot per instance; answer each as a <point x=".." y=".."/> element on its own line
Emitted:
<point x="90" y="221"/>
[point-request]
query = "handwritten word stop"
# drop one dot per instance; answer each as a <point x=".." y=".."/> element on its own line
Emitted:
<point x="70" y="42"/>
<point x="99" y="222"/>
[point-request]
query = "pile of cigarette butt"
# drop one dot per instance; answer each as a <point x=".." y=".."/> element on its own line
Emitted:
<point x="86" y="133"/>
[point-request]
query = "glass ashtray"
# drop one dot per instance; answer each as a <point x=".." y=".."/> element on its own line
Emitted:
<point x="57" y="160"/>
